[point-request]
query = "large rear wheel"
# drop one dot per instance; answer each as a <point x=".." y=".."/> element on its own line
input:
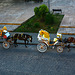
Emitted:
<point x="42" y="47"/>
<point x="6" y="45"/>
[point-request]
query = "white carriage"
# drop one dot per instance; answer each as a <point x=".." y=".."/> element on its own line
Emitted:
<point x="44" y="44"/>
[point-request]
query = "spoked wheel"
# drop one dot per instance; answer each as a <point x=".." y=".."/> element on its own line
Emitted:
<point x="6" y="45"/>
<point x="59" y="49"/>
<point x="42" y="47"/>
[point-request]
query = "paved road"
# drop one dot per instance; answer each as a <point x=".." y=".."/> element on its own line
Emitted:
<point x="28" y="61"/>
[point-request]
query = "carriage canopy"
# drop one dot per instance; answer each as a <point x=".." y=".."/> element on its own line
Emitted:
<point x="44" y="34"/>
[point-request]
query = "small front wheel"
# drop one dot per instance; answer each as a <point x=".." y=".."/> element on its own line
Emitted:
<point x="59" y="49"/>
<point x="42" y="47"/>
<point x="6" y="45"/>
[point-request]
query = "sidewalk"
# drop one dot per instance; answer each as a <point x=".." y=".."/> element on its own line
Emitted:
<point x="67" y="25"/>
<point x="15" y="13"/>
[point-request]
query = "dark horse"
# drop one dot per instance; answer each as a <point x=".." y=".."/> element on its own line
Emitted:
<point x="69" y="40"/>
<point x="22" y="36"/>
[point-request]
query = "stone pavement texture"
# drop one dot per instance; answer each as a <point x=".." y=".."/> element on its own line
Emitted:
<point x="28" y="61"/>
<point x="15" y="11"/>
<point x="68" y="9"/>
<point x="67" y="25"/>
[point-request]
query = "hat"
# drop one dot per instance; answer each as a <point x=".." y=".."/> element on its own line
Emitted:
<point x="4" y="28"/>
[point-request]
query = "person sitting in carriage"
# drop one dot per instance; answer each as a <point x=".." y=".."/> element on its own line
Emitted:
<point x="5" y="33"/>
<point x="58" y="39"/>
<point x="44" y="36"/>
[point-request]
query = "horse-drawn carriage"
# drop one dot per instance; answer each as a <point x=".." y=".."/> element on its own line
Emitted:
<point x="45" y="42"/>
<point x="9" y="39"/>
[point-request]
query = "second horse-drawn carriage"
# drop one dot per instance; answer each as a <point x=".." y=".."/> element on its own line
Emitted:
<point x="9" y="39"/>
<point x="45" y="42"/>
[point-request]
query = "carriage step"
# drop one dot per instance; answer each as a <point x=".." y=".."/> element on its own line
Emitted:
<point x="67" y="26"/>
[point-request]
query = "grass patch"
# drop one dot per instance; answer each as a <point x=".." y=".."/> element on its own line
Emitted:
<point x="34" y="24"/>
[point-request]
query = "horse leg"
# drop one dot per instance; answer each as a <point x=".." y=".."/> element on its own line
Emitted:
<point x="15" y="42"/>
<point x="25" y="43"/>
<point x="69" y="48"/>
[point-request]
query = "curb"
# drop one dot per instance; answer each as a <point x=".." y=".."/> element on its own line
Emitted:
<point x="10" y="24"/>
<point x="68" y="33"/>
<point x="67" y="26"/>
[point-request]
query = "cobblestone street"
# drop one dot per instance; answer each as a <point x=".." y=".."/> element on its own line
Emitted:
<point x="28" y="61"/>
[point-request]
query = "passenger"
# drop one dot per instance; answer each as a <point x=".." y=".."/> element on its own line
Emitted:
<point x="5" y="33"/>
<point x="45" y="36"/>
<point x="4" y="30"/>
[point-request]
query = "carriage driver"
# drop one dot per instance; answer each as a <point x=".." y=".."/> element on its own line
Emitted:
<point x="4" y="30"/>
<point x="59" y="38"/>
<point x="5" y="33"/>
<point x="44" y="35"/>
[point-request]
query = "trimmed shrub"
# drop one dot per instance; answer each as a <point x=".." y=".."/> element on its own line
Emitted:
<point x="37" y="24"/>
<point x="41" y="11"/>
<point x="49" y="19"/>
<point x="28" y="24"/>
<point x="36" y="10"/>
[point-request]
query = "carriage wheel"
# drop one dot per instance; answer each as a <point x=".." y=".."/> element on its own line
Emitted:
<point x="6" y="45"/>
<point x="42" y="47"/>
<point x="59" y="49"/>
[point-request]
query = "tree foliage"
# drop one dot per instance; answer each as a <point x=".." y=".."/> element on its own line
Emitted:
<point x="49" y="19"/>
<point x="41" y="11"/>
